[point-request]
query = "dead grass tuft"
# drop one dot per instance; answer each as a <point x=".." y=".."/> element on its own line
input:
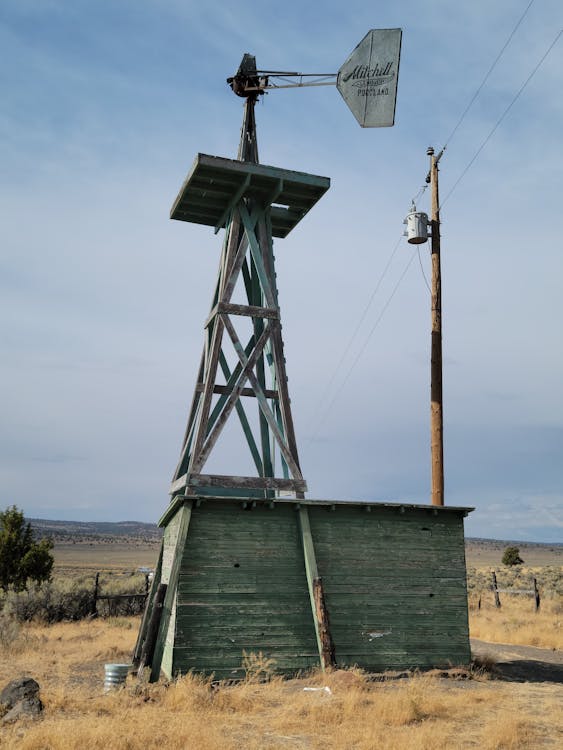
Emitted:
<point x="510" y="733"/>
<point x="263" y="712"/>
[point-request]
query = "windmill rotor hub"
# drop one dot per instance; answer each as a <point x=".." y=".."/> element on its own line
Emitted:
<point x="246" y="82"/>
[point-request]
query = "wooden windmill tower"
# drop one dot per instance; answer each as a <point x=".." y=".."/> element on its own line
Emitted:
<point x="253" y="203"/>
<point x="247" y="564"/>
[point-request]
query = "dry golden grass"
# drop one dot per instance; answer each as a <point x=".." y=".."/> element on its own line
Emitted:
<point x="516" y="621"/>
<point x="414" y="714"/>
<point x="105" y="556"/>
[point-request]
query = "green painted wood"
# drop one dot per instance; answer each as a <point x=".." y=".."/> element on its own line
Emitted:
<point x="243" y="419"/>
<point x="256" y="298"/>
<point x="256" y="254"/>
<point x="311" y="572"/>
<point x="171" y="565"/>
<point x="231" y="382"/>
<point x="242" y="587"/>
<point x="157" y="577"/>
<point x="214" y="183"/>
<point x="395" y="586"/>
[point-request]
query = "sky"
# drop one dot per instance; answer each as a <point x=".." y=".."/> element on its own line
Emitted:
<point x="104" y="105"/>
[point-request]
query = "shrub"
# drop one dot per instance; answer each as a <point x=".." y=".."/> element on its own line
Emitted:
<point x="21" y="557"/>
<point x="49" y="603"/>
<point x="511" y="556"/>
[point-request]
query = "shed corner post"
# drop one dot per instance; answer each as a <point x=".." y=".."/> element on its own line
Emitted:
<point x="316" y="593"/>
<point x="172" y="587"/>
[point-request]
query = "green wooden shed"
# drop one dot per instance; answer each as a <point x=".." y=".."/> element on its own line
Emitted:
<point x="248" y="576"/>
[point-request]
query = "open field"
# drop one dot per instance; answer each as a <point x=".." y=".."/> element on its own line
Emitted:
<point x="481" y="553"/>
<point x="94" y="546"/>
<point x="516" y="707"/>
<point x="94" y="556"/>
<point x="425" y="711"/>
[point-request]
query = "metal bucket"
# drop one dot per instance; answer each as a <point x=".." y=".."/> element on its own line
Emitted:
<point x="115" y="676"/>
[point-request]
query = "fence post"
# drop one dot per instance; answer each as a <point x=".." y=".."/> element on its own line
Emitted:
<point x="94" y="610"/>
<point x="495" y="590"/>
<point x="536" y="594"/>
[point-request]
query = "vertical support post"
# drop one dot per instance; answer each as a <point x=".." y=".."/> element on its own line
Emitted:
<point x="316" y="594"/>
<point x="436" y="412"/>
<point x="147" y="652"/>
<point x="495" y="590"/>
<point x="148" y="608"/>
<point x="186" y="512"/>
<point x="94" y="609"/>
<point x="536" y="595"/>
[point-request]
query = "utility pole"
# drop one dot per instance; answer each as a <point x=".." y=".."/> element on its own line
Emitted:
<point x="436" y="412"/>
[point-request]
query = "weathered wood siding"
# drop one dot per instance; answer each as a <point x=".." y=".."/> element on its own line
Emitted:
<point x="169" y="542"/>
<point x="394" y="584"/>
<point x="242" y="587"/>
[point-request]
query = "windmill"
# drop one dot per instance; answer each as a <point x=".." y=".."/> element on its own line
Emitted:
<point x="247" y="564"/>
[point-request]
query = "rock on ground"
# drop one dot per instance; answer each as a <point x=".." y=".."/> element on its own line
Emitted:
<point x="20" y="698"/>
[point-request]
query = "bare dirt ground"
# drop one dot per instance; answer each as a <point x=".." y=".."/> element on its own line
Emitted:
<point x="520" y="663"/>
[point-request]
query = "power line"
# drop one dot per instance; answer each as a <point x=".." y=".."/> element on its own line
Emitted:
<point x="485" y="79"/>
<point x="362" y="350"/>
<point x="501" y="118"/>
<point x="419" y="195"/>
<point x="357" y="328"/>
<point x="422" y="270"/>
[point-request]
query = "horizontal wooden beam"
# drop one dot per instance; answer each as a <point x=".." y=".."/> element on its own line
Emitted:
<point x="249" y="311"/>
<point x="251" y="483"/>
<point x="178" y="484"/>
<point x="229" y="389"/>
<point x="252" y="311"/>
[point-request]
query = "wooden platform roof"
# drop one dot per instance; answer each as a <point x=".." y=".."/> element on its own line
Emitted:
<point x="248" y="502"/>
<point x="214" y="185"/>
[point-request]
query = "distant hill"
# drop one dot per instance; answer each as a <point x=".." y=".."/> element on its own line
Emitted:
<point x="64" y="530"/>
<point x="150" y="531"/>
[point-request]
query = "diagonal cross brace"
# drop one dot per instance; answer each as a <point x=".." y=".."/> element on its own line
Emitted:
<point x="262" y="401"/>
<point x="250" y="362"/>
